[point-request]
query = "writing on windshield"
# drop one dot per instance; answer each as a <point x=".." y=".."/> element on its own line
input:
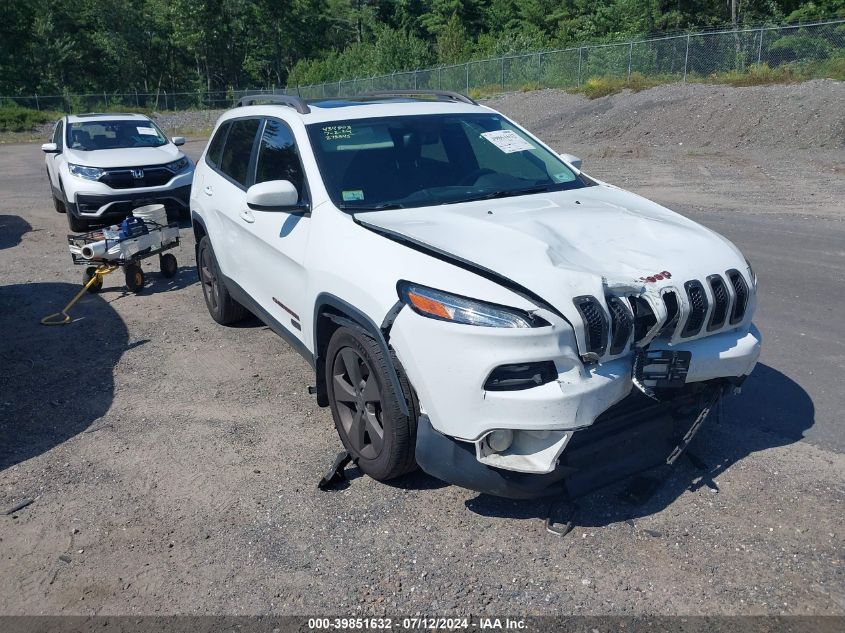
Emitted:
<point x="411" y="161"/>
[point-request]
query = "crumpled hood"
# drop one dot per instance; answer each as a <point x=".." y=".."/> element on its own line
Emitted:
<point x="126" y="157"/>
<point x="564" y="244"/>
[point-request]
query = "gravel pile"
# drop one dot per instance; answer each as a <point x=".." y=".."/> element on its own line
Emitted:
<point x="807" y="115"/>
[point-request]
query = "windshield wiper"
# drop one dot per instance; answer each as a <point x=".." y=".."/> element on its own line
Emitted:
<point x="507" y="193"/>
<point x="384" y="206"/>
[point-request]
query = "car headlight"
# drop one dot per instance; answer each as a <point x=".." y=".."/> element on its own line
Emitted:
<point x="89" y="173"/>
<point x="444" y="306"/>
<point x="178" y="165"/>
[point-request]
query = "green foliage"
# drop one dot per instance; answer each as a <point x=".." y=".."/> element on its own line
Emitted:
<point x="55" y="47"/>
<point x="799" y="46"/>
<point x="14" y="118"/>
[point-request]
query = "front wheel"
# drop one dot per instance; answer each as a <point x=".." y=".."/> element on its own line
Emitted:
<point x="134" y="278"/>
<point x="76" y="224"/>
<point x="366" y="408"/>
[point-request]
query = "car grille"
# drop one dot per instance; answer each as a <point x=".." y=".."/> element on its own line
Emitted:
<point x="741" y="294"/>
<point x="721" y="301"/>
<point x="124" y="178"/>
<point x="621" y="324"/>
<point x="595" y="323"/>
<point x="632" y="317"/>
<point x="698" y="308"/>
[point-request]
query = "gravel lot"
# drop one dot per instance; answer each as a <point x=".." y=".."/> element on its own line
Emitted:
<point x="173" y="462"/>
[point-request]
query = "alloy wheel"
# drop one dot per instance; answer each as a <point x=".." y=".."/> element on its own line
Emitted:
<point x="358" y="401"/>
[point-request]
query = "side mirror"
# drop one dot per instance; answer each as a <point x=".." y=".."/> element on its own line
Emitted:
<point x="274" y="195"/>
<point x="572" y="160"/>
<point x="50" y="148"/>
<point x="178" y="140"/>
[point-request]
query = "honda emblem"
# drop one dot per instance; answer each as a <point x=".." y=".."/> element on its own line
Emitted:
<point x="137" y="173"/>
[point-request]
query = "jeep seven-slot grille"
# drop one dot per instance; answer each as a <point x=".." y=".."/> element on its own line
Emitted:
<point x="644" y="318"/>
<point x="721" y="301"/>
<point x="595" y="323"/>
<point x="621" y="324"/>
<point x="698" y="308"/>
<point x="673" y="311"/>
<point x="741" y="292"/>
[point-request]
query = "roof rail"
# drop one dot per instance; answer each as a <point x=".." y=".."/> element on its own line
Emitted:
<point x="296" y="103"/>
<point x="442" y="95"/>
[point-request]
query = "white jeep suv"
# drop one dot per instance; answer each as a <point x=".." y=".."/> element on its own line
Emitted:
<point x="101" y="166"/>
<point x="470" y="301"/>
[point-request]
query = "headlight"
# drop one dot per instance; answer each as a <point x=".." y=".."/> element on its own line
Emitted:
<point x="89" y="173"/>
<point x="178" y="165"/>
<point x="436" y="304"/>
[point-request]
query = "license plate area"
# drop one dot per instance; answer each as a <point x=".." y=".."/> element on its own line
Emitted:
<point x="659" y="369"/>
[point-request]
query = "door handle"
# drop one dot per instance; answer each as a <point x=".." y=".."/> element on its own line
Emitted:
<point x="246" y="216"/>
<point x="209" y="191"/>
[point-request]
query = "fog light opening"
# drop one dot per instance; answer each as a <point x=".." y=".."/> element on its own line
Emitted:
<point x="500" y="440"/>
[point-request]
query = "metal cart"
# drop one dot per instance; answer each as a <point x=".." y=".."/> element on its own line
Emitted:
<point x="125" y="253"/>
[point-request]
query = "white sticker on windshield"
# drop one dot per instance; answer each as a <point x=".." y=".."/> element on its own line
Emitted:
<point x="508" y="141"/>
<point x="354" y="194"/>
<point x="149" y="131"/>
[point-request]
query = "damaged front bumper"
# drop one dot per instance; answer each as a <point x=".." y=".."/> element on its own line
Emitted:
<point x="636" y="434"/>
<point x="450" y="365"/>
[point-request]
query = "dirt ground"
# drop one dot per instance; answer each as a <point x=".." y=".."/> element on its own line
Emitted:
<point x="173" y="462"/>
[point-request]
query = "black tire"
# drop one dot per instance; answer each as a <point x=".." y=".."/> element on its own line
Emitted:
<point x="76" y="224"/>
<point x="134" y="278"/>
<point x="59" y="205"/>
<point x="90" y="272"/>
<point x="365" y="407"/>
<point x="168" y="265"/>
<point x="219" y="302"/>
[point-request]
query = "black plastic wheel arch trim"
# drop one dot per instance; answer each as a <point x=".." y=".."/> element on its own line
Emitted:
<point x="350" y="315"/>
<point x="460" y="262"/>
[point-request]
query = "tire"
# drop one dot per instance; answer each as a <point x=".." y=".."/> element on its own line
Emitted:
<point x="89" y="273"/>
<point x="76" y="224"/>
<point x="219" y="302"/>
<point x="168" y="265"/>
<point x="365" y="407"/>
<point x="59" y="205"/>
<point x="134" y="278"/>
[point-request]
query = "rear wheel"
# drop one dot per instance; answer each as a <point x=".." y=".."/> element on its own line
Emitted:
<point x="366" y="408"/>
<point x="219" y="302"/>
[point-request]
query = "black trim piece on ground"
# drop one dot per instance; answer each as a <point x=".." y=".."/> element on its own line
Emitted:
<point x="241" y="296"/>
<point x="460" y="262"/>
<point x="356" y="318"/>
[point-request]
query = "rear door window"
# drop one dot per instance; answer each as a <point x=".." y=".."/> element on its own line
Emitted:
<point x="237" y="152"/>
<point x="215" y="148"/>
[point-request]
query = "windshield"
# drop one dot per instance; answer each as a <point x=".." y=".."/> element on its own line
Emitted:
<point x="400" y="162"/>
<point x="88" y="136"/>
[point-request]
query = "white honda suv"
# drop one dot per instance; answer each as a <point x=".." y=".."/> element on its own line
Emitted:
<point x="101" y="166"/>
<point x="471" y="301"/>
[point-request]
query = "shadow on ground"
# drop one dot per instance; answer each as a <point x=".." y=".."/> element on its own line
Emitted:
<point x="771" y="411"/>
<point x="12" y="229"/>
<point x="55" y="381"/>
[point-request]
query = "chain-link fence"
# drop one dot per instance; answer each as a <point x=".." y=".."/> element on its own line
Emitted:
<point x="808" y="48"/>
